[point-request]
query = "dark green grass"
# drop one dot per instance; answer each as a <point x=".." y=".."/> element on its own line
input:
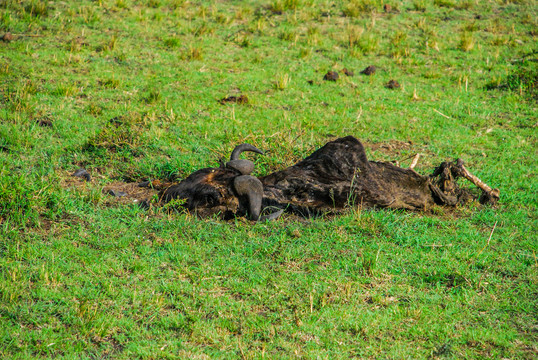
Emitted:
<point x="83" y="277"/>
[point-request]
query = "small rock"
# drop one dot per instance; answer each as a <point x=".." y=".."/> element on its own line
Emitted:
<point x="8" y="37"/>
<point x="348" y="72"/>
<point x="392" y="84"/>
<point x="370" y="70"/>
<point x="331" y="76"/>
<point x="116" y="193"/>
<point x="243" y="99"/>
<point x="83" y="174"/>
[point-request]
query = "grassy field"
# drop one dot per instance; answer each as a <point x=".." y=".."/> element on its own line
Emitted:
<point x="130" y="90"/>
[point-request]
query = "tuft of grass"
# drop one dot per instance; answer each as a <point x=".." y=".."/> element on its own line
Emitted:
<point x="305" y="53"/>
<point x="291" y="36"/>
<point x="67" y="89"/>
<point x="177" y="4"/>
<point x="358" y="8"/>
<point x="88" y="14"/>
<point x="121" y="4"/>
<point x="368" y="43"/>
<point x="445" y="3"/>
<point x="205" y="28"/>
<point x="36" y="8"/>
<point x="419" y="5"/>
<point x="369" y="262"/>
<point x="282" y="81"/>
<point x="109" y="83"/>
<point x="245" y="41"/>
<point x="353" y="34"/>
<point x="280" y="6"/>
<point x="460" y="5"/>
<point x="467" y="41"/>
<point x="125" y="132"/>
<point x="94" y="109"/>
<point x="312" y="35"/>
<point x="192" y="53"/>
<point x="172" y="42"/>
<point x="398" y="39"/>
<point x="522" y="80"/>
<point x="109" y="45"/>
<point x="152" y="96"/>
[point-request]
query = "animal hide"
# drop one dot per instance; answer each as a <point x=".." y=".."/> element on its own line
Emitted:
<point x="333" y="177"/>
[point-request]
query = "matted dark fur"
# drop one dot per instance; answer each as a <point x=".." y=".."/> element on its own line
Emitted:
<point x="333" y="177"/>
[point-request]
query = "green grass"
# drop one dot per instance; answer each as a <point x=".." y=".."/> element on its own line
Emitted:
<point x="132" y="89"/>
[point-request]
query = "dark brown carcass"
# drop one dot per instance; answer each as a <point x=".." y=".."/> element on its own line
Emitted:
<point x="333" y="177"/>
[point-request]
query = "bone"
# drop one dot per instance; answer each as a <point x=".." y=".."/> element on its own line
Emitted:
<point x="415" y="161"/>
<point x="116" y="193"/>
<point x="273" y="216"/>
<point x="493" y="195"/>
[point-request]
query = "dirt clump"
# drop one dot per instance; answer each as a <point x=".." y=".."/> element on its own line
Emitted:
<point x="390" y="10"/>
<point x="44" y="122"/>
<point x="331" y="76"/>
<point x="392" y="84"/>
<point x="242" y="99"/>
<point x="7" y="37"/>
<point x="370" y="70"/>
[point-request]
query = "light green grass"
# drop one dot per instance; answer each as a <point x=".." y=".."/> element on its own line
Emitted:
<point x="82" y="277"/>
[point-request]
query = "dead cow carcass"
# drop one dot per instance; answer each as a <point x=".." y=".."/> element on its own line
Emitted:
<point x="333" y="177"/>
